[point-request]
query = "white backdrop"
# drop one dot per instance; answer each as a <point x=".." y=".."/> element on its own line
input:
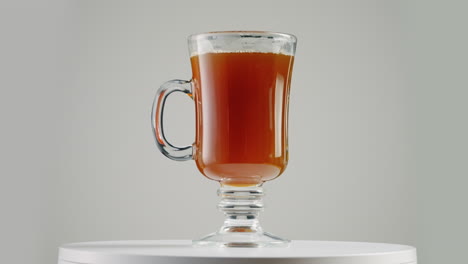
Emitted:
<point x="377" y="123"/>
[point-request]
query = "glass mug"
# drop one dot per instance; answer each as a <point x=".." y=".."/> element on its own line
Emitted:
<point x="240" y="85"/>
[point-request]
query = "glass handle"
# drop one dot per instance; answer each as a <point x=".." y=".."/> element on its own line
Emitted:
<point x="157" y="114"/>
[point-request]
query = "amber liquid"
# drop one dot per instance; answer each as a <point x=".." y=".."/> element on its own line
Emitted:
<point x="241" y="115"/>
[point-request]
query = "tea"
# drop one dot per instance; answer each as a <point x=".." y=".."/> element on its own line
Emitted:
<point x="241" y="101"/>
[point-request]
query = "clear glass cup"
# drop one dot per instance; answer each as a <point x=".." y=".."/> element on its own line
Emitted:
<point x="240" y="85"/>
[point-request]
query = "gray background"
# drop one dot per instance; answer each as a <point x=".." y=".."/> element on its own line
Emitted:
<point x="378" y="120"/>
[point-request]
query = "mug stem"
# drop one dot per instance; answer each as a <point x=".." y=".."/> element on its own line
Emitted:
<point x="241" y="228"/>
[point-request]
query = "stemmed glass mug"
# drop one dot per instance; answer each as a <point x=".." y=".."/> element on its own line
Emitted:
<point x="240" y="85"/>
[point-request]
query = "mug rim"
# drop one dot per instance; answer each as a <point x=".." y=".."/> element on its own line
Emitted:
<point x="243" y="33"/>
